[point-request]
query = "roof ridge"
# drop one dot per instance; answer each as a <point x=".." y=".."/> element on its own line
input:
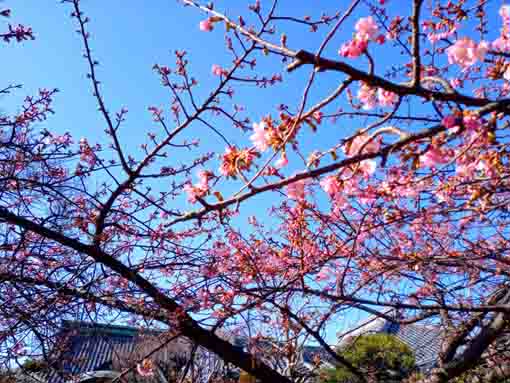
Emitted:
<point x="115" y="329"/>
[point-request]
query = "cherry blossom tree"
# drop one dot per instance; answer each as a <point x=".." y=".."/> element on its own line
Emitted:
<point x="403" y="206"/>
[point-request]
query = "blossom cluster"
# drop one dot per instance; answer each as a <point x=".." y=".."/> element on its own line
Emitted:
<point x="235" y="160"/>
<point x="199" y="189"/>
<point x="474" y="131"/>
<point x="370" y="97"/>
<point x="502" y="43"/>
<point x="19" y="33"/>
<point x="268" y="134"/>
<point x="465" y="52"/>
<point x="366" y="31"/>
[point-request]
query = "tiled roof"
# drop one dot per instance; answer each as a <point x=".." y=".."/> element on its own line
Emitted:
<point x="310" y="353"/>
<point x="90" y="347"/>
<point x="425" y="341"/>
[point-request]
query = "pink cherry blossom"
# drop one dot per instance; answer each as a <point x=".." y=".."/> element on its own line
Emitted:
<point x="203" y="176"/>
<point x="504" y="12"/>
<point x="408" y="191"/>
<point x="442" y="195"/>
<point x="386" y="98"/>
<point x="323" y="274"/>
<point x="296" y="190"/>
<point x="206" y="26"/>
<point x="366" y="28"/>
<point x="449" y="121"/>
<point x="146" y="368"/>
<point x="353" y="48"/>
<point x="455" y="82"/>
<point x="501" y="44"/>
<point x="340" y="203"/>
<point x="435" y="37"/>
<point x="217" y="70"/>
<point x="381" y="39"/>
<point x="125" y="203"/>
<point x="191" y="191"/>
<point x="367" y="196"/>
<point x="330" y="185"/>
<point x="282" y="161"/>
<point x="465" y="169"/>
<point x="367" y="167"/>
<point x="317" y="116"/>
<point x="482" y="49"/>
<point x="465" y="52"/>
<point x="87" y="153"/>
<point x="360" y="144"/>
<point x="367" y="96"/>
<point x="472" y="122"/>
<point x="260" y="137"/>
<point x="432" y="157"/>
<point x="199" y="189"/>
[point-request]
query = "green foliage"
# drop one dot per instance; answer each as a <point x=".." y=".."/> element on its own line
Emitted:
<point x="478" y="374"/>
<point x="381" y="356"/>
<point x="34" y="365"/>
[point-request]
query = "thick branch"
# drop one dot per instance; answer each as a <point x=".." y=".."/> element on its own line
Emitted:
<point x="187" y="325"/>
<point x="416" y="42"/>
<point x="303" y="57"/>
<point x="473" y="352"/>
<point x="383" y="153"/>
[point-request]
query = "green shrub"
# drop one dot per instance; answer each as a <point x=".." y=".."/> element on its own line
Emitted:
<point x="34" y="365"/>
<point x="381" y="357"/>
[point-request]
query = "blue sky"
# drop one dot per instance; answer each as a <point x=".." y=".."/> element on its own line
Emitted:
<point x="128" y="38"/>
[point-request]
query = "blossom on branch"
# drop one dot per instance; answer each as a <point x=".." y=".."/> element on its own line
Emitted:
<point x="145" y="368"/>
<point x="206" y="26"/>
<point x="366" y="29"/>
<point x="260" y="136"/>
<point x="433" y="156"/>
<point x="296" y="190"/>
<point x="465" y="52"/>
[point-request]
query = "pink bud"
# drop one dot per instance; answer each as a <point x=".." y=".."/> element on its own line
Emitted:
<point x="449" y="121"/>
<point x="206" y="26"/>
<point x="282" y="162"/>
<point x="216" y="70"/>
<point x="381" y="39"/>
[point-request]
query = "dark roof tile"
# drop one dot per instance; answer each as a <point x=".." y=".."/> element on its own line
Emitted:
<point x="90" y="347"/>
